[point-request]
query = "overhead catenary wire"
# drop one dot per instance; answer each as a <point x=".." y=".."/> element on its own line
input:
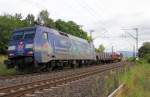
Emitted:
<point x="35" y="4"/>
<point x="78" y="10"/>
<point x="97" y="13"/>
<point x="91" y="12"/>
<point x="41" y="6"/>
<point x="82" y="4"/>
<point x="136" y="37"/>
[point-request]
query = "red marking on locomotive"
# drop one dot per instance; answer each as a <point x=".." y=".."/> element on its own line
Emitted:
<point x="45" y="45"/>
<point x="20" y="46"/>
<point x="20" y="42"/>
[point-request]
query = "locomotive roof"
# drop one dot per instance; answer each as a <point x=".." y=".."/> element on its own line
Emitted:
<point x="52" y="31"/>
<point x="25" y="28"/>
<point x="68" y="35"/>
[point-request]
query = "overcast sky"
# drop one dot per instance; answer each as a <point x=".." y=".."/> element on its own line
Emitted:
<point x="106" y="17"/>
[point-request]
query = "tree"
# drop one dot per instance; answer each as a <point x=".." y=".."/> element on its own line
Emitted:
<point x="18" y="16"/>
<point x="71" y="27"/>
<point x="30" y="19"/>
<point x="8" y="23"/>
<point x="43" y="18"/>
<point x="100" y="49"/>
<point x="144" y="50"/>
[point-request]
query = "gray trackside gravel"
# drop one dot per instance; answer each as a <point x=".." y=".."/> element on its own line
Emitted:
<point x="26" y="79"/>
<point x="86" y="87"/>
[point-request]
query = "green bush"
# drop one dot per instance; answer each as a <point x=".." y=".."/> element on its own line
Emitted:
<point x="3" y="69"/>
<point x="147" y="57"/>
<point x="137" y="81"/>
<point x="131" y="59"/>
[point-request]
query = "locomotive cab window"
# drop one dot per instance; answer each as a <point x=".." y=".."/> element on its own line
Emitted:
<point x="20" y="35"/>
<point x="29" y="35"/>
<point x="17" y="35"/>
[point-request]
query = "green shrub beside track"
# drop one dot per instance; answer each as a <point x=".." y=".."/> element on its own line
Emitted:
<point x="3" y="69"/>
<point x="137" y="81"/>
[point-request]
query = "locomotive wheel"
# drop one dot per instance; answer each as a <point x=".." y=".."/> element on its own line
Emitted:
<point x="19" y="68"/>
<point x="60" y="65"/>
<point x="73" y="64"/>
<point x="49" y="67"/>
<point x="80" y="64"/>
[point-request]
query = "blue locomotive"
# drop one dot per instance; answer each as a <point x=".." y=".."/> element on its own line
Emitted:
<point x="43" y="48"/>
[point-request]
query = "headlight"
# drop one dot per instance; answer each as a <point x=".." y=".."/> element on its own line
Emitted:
<point x="29" y="46"/>
<point x="11" y="48"/>
<point x="11" y="54"/>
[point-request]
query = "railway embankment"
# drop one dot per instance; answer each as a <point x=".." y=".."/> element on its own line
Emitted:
<point x="136" y="82"/>
<point x="98" y="85"/>
<point x="95" y="81"/>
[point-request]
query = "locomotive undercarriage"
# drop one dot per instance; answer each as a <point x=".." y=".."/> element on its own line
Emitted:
<point x="21" y="63"/>
<point x="28" y="64"/>
<point x="61" y="64"/>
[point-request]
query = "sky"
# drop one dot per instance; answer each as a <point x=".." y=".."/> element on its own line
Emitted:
<point x="107" y="18"/>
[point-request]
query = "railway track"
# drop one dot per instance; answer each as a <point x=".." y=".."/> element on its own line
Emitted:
<point x="17" y="79"/>
<point x="29" y="88"/>
<point x="29" y="74"/>
<point x="36" y="74"/>
<point x="21" y="79"/>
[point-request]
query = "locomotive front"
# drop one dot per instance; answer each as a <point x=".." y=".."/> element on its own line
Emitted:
<point x="21" y="48"/>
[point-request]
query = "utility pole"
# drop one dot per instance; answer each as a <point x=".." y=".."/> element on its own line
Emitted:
<point x="136" y="39"/>
<point x="112" y="49"/>
<point x="134" y="51"/>
<point x="137" y="42"/>
<point x="91" y="31"/>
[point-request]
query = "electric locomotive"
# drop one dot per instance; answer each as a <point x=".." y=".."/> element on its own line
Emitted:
<point x="43" y="48"/>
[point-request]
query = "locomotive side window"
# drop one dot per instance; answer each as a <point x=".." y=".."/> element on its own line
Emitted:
<point x="62" y="44"/>
<point x="45" y="35"/>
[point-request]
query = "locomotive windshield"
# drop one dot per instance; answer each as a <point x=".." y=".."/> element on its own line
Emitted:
<point x="19" y="35"/>
<point x="29" y="35"/>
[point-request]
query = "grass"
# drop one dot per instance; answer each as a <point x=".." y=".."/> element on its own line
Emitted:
<point x="137" y="81"/>
<point x="3" y="70"/>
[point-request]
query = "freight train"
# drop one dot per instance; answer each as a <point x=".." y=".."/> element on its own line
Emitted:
<point x="43" y="48"/>
<point x="109" y="57"/>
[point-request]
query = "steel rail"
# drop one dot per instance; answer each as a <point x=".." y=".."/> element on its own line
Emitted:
<point x="21" y="89"/>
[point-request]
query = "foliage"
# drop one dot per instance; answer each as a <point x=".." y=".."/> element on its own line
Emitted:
<point x="10" y="22"/>
<point x="30" y="19"/>
<point x="137" y="81"/>
<point x="144" y="51"/>
<point x="7" y="24"/>
<point x="3" y="69"/>
<point x="131" y="59"/>
<point x="43" y="18"/>
<point x="100" y="49"/>
<point x="71" y="27"/>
